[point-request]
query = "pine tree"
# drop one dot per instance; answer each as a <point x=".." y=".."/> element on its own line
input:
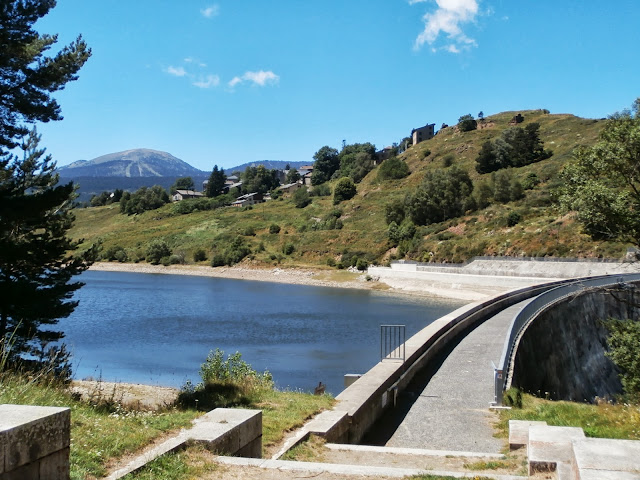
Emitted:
<point x="27" y="77"/>
<point x="215" y="186"/>
<point x="36" y="268"/>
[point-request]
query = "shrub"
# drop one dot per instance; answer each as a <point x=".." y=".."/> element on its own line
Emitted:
<point x="345" y="189"/>
<point x="274" y="229"/>
<point x="301" y="197"/>
<point x="624" y="344"/>
<point x="288" y="248"/>
<point x="199" y="255"/>
<point x="217" y="260"/>
<point x="323" y="190"/>
<point x="331" y="262"/>
<point x="236" y="251"/>
<point x="115" y="253"/>
<point x="362" y="264"/>
<point x="466" y="123"/>
<point x="448" y="159"/>
<point x="513" y="219"/>
<point x="225" y="383"/>
<point x="176" y="259"/>
<point x="249" y="232"/>
<point x="393" y="169"/>
<point x="157" y="250"/>
<point x="530" y="181"/>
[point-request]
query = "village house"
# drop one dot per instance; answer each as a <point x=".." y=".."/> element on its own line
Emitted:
<point x="289" y="187"/>
<point x="248" y="200"/>
<point x="421" y="134"/>
<point x="186" y="194"/>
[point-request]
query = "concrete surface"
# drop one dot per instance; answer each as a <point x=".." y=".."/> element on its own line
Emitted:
<point x="312" y="469"/>
<point x="598" y="457"/>
<point x="519" y="433"/>
<point x="34" y="442"/>
<point x="452" y="412"/>
<point x="550" y="446"/>
<point x="223" y="430"/>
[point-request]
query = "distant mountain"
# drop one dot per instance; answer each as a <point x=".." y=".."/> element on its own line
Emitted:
<point x="268" y="164"/>
<point x="139" y="162"/>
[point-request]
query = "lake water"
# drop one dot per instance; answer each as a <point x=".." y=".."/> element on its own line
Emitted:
<point x="158" y="329"/>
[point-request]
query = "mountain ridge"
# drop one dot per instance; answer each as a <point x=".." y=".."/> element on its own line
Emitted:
<point x="132" y="163"/>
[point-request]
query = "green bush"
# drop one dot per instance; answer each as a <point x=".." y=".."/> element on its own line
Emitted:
<point x="274" y="229"/>
<point x="362" y="264"/>
<point x="322" y="190"/>
<point x="249" y="232"/>
<point x="157" y="250"/>
<point x="301" y="197"/>
<point x="448" y="159"/>
<point x="199" y="255"/>
<point x="116" y="253"/>
<point x="288" y="248"/>
<point x="513" y="219"/>
<point x="393" y="169"/>
<point x="225" y="383"/>
<point x="624" y="344"/>
<point x="345" y="189"/>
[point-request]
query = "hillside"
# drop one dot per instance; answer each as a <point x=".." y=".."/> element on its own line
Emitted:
<point x="541" y="229"/>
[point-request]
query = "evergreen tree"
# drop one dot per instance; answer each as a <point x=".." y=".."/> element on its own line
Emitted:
<point x="27" y="77"/>
<point x="35" y="266"/>
<point x="215" y="185"/>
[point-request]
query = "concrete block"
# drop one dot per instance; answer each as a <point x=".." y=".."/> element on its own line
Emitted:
<point x="519" y="432"/>
<point x="595" y="455"/>
<point x="608" y="475"/>
<point x="229" y="431"/>
<point x="55" y="465"/>
<point x="549" y="446"/>
<point x="25" y="472"/>
<point x="30" y="433"/>
<point x="332" y="425"/>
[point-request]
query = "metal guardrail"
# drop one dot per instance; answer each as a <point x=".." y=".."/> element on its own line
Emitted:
<point x="534" y="308"/>
<point x="392" y="342"/>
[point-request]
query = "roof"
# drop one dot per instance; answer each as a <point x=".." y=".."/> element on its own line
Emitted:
<point x="191" y="193"/>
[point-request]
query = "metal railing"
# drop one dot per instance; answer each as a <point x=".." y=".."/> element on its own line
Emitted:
<point x="392" y="342"/>
<point x="534" y="308"/>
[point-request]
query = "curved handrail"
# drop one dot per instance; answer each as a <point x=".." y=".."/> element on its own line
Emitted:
<point x="534" y="308"/>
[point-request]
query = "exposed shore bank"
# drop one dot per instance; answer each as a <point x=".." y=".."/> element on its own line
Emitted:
<point x="293" y="276"/>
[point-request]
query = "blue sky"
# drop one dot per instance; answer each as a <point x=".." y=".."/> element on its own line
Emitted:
<point x="231" y="81"/>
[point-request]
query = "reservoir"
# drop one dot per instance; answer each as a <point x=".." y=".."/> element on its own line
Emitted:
<point x="157" y="329"/>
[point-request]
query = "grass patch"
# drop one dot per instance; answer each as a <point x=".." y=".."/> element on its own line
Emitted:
<point x="490" y="465"/>
<point x="190" y="463"/>
<point x="286" y="411"/>
<point x="311" y="450"/>
<point x="600" y="421"/>
<point x="98" y="433"/>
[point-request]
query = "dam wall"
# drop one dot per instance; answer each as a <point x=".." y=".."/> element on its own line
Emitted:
<point x="561" y="354"/>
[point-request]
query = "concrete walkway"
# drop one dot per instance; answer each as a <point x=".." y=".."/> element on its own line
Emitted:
<point x="452" y="412"/>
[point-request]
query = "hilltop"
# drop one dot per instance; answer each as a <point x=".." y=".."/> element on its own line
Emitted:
<point x="529" y="226"/>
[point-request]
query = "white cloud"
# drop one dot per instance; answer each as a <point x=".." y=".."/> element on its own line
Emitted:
<point x="211" y="11"/>
<point x="448" y="19"/>
<point x="208" y="82"/>
<point x="260" y="78"/>
<point x="176" y="71"/>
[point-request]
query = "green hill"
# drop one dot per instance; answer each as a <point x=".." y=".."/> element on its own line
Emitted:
<point x="541" y="228"/>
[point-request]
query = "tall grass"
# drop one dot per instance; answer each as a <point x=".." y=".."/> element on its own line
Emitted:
<point x="620" y="421"/>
